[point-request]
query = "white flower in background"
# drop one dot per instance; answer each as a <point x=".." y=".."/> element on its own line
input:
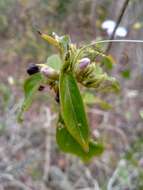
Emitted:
<point x="11" y="80"/>
<point x="109" y="26"/>
<point x="132" y="93"/>
<point x="121" y="32"/>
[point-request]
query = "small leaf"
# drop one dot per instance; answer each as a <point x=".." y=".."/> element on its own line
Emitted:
<point x="68" y="144"/>
<point x="54" y="61"/>
<point x="31" y="86"/>
<point x="72" y="109"/>
<point x="108" y="62"/>
<point x="126" y="74"/>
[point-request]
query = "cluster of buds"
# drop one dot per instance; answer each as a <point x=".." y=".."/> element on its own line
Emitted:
<point x="88" y="73"/>
<point x="86" y="70"/>
<point x="91" y="75"/>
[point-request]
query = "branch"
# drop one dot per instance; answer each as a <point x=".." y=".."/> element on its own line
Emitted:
<point x="121" y="14"/>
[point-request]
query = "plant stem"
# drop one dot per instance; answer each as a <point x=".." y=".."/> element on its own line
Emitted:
<point x="121" y="14"/>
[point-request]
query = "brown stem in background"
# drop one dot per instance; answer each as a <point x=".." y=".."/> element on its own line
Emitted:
<point x="93" y="16"/>
<point x="121" y="14"/>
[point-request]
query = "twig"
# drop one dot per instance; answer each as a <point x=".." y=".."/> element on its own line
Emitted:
<point x="89" y="176"/>
<point x="93" y="16"/>
<point x="121" y="14"/>
<point x="8" y="180"/>
<point x="48" y="128"/>
<point x="121" y="164"/>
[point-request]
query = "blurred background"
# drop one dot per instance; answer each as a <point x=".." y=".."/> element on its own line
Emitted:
<point x="29" y="156"/>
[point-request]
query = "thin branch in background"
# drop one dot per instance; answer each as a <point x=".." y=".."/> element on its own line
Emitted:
<point x="121" y="14"/>
<point x="48" y="129"/>
<point x="7" y="180"/>
<point x="93" y="16"/>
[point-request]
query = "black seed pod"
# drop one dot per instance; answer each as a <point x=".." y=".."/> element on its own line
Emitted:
<point x="32" y="69"/>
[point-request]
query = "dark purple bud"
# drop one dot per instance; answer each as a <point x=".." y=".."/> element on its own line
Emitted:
<point x="32" y="69"/>
<point x="41" y="88"/>
<point x="84" y="62"/>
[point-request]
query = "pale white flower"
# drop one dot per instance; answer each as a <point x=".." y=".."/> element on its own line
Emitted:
<point x="132" y="93"/>
<point x="11" y="80"/>
<point x="109" y="26"/>
<point x="121" y="32"/>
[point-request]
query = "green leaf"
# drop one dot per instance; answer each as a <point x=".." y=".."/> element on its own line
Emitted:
<point x="72" y="109"/>
<point x="126" y="74"/>
<point x="108" y="62"/>
<point x="68" y="144"/>
<point x="31" y="86"/>
<point x="54" y="61"/>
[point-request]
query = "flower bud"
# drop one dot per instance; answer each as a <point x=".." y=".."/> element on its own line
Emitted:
<point x="32" y="69"/>
<point x="84" y="62"/>
<point x="50" y="73"/>
<point x="41" y="88"/>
